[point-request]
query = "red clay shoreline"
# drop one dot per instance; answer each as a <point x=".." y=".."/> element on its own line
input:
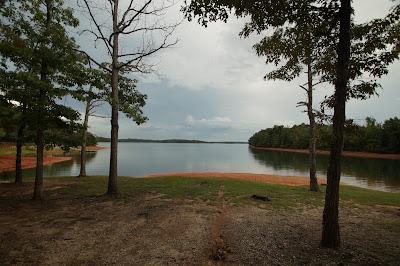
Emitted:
<point x="262" y="178"/>
<point x="360" y="154"/>
<point x="7" y="163"/>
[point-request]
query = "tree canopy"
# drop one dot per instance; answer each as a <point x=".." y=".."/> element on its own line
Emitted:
<point x="370" y="137"/>
<point x="26" y="44"/>
<point x="308" y="30"/>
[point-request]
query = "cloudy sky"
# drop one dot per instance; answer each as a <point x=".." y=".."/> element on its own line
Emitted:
<point x="210" y="85"/>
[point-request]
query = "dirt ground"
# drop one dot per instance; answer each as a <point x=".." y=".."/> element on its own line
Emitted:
<point x="150" y="229"/>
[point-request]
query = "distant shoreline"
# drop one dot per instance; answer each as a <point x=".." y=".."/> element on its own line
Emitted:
<point x="100" y="139"/>
<point x="359" y="154"/>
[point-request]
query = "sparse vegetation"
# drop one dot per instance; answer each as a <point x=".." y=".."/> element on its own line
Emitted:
<point x="194" y="221"/>
<point x="238" y="191"/>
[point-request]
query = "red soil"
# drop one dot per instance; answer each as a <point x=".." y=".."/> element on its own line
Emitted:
<point x="262" y="178"/>
<point x="7" y="163"/>
<point x="360" y="154"/>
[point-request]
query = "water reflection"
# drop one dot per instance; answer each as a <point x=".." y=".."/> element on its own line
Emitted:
<point x="140" y="159"/>
<point x="378" y="173"/>
<point x="67" y="168"/>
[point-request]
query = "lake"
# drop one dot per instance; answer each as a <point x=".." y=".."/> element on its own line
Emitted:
<point x="141" y="159"/>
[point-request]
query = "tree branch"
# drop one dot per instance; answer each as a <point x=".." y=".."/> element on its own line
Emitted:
<point x="304" y="88"/>
<point x="138" y="12"/>
<point x="93" y="60"/>
<point x="141" y="55"/>
<point x="105" y="40"/>
<point x="100" y="116"/>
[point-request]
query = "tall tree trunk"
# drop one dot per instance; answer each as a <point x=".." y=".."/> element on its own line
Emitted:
<point x="82" y="171"/>
<point x="330" y="230"/>
<point x="19" y="142"/>
<point x="312" y="141"/>
<point x="113" y="174"/>
<point x="38" y="191"/>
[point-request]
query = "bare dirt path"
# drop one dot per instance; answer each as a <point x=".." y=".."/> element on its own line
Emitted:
<point x="219" y="251"/>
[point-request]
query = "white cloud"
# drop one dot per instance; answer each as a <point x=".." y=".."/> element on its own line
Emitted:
<point x="216" y="121"/>
<point x="216" y="78"/>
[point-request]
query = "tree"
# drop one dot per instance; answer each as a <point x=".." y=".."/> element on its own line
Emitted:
<point x="297" y="44"/>
<point x="330" y="230"/>
<point x="377" y="42"/>
<point x="138" y="19"/>
<point x="296" y="47"/>
<point x="41" y="59"/>
<point x="91" y="78"/>
<point x="367" y="48"/>
<point x="13" y="88"/>
<point x="89" y="105"/>
<point x="97" y="83"/>
<point x="391" y="135"/>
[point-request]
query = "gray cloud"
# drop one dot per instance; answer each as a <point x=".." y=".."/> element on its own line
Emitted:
<point x="210" y="86"/>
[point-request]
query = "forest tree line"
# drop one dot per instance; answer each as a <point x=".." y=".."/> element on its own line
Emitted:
<point x="370" y="137"/>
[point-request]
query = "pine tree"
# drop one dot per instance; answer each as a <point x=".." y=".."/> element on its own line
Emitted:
<point x="40" y="63"/>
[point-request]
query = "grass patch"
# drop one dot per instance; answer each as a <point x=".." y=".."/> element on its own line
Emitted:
<point x="368" y="196"/>
<point x="235" y="191"/>
<point x="10" y="151"/>
<point x="31" y="151"/>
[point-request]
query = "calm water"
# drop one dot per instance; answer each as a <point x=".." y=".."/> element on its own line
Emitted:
<point x="140" y="159"/>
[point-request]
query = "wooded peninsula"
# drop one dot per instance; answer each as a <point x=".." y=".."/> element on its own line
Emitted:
<point x="370" y="137"/>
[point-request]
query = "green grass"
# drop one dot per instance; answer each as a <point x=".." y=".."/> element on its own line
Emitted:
<point x="31" y="151"/>
<point x="235" y="191"/>
<point x="10" y="151"/>
<point x="368" y="196"/>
